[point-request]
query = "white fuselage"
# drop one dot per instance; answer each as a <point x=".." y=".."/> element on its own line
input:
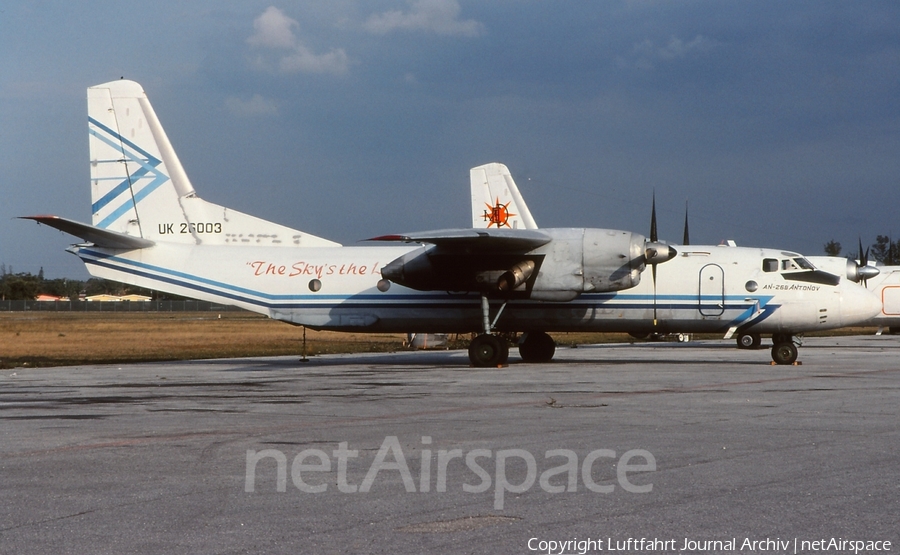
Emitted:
<point x="885" y="286"/>
<point x="703" y="289"/>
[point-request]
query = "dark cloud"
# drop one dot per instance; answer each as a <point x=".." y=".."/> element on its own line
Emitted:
<point x="777" y="121"/>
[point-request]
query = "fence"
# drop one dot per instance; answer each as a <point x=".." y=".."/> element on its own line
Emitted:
<point x="115" y="306"/>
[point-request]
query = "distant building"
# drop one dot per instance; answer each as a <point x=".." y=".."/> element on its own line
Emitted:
<point x="136" y="298"/>
<point x="101" y="298"/>
<point x="114" y="298"/>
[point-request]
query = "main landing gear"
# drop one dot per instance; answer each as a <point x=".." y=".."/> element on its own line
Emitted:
<point x="536" y="346"/>
<point x="489" y="349"/>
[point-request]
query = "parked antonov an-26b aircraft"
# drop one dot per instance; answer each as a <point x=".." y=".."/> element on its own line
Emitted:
<point x="149" y="228"/>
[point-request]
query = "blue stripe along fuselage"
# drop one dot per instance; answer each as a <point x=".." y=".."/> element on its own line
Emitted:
<point x="738" y="308"/>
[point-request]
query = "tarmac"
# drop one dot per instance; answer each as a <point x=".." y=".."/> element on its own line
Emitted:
<point x="693" y="447"/>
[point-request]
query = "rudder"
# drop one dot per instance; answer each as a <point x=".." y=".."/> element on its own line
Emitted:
<point x="127" y="167"/>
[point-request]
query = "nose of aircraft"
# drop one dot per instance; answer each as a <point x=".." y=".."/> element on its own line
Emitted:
<point x="858" y="304"/>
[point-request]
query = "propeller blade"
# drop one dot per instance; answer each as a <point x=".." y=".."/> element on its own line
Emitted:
<point x="865" y="264"/>
<point x="863" y="270"/>
<point x="653" y="272"/>
<point x="656" y="252"/>
<point x="687" y="239"/>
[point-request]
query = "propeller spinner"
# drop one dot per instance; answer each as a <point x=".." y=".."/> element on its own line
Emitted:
<point x="656" y="252"/>
<point x="863" y="272"/>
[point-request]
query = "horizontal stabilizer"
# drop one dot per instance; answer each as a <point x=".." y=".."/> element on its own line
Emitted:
<point x="96" y="235"/>
<point x="475" y="239"/>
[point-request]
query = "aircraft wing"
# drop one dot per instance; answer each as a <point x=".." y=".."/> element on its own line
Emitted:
<point x="96" y="235"/>
<point x="468" y="259"/>
<point x="475" y="239"/>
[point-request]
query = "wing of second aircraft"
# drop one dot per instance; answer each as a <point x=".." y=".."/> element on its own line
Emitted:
<point x="496" y="201"/>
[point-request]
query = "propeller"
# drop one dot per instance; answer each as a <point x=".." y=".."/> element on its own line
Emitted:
<point x="656" y="252"/>
<point x="863" y="270"/>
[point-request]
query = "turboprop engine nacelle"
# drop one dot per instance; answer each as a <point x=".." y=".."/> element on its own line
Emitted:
<point x="590" y="260"/>
<point x="570" y="262"/>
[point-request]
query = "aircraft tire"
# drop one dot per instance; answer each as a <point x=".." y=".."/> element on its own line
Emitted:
<point x="488" y="350"/>
<point x="749" y="341"/>
<point x="537" y="346"/>
<point x="784" y="353"/>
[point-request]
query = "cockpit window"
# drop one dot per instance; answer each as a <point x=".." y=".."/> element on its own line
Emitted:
<point x="804" y="263"/>
<point x="796" y="264"/>
<point x="770" y="265"/>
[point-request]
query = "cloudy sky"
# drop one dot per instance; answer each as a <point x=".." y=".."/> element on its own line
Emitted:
<point x="778" y="122"/>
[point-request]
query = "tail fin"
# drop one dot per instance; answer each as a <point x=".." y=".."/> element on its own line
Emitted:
<point x="496" y="200"/>
<point x="139" y="188"/>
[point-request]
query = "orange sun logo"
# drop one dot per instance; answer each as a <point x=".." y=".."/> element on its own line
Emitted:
<point x="497" y="214"/>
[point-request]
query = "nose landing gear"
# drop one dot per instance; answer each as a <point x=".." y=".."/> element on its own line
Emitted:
<point x="784" y="349"/>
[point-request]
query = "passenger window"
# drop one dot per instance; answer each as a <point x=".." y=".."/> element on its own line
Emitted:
<point x="770" y="265"/>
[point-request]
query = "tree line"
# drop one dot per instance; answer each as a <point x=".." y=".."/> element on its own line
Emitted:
<point x="882" y="250"/>
<point x="26" y="286"/>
